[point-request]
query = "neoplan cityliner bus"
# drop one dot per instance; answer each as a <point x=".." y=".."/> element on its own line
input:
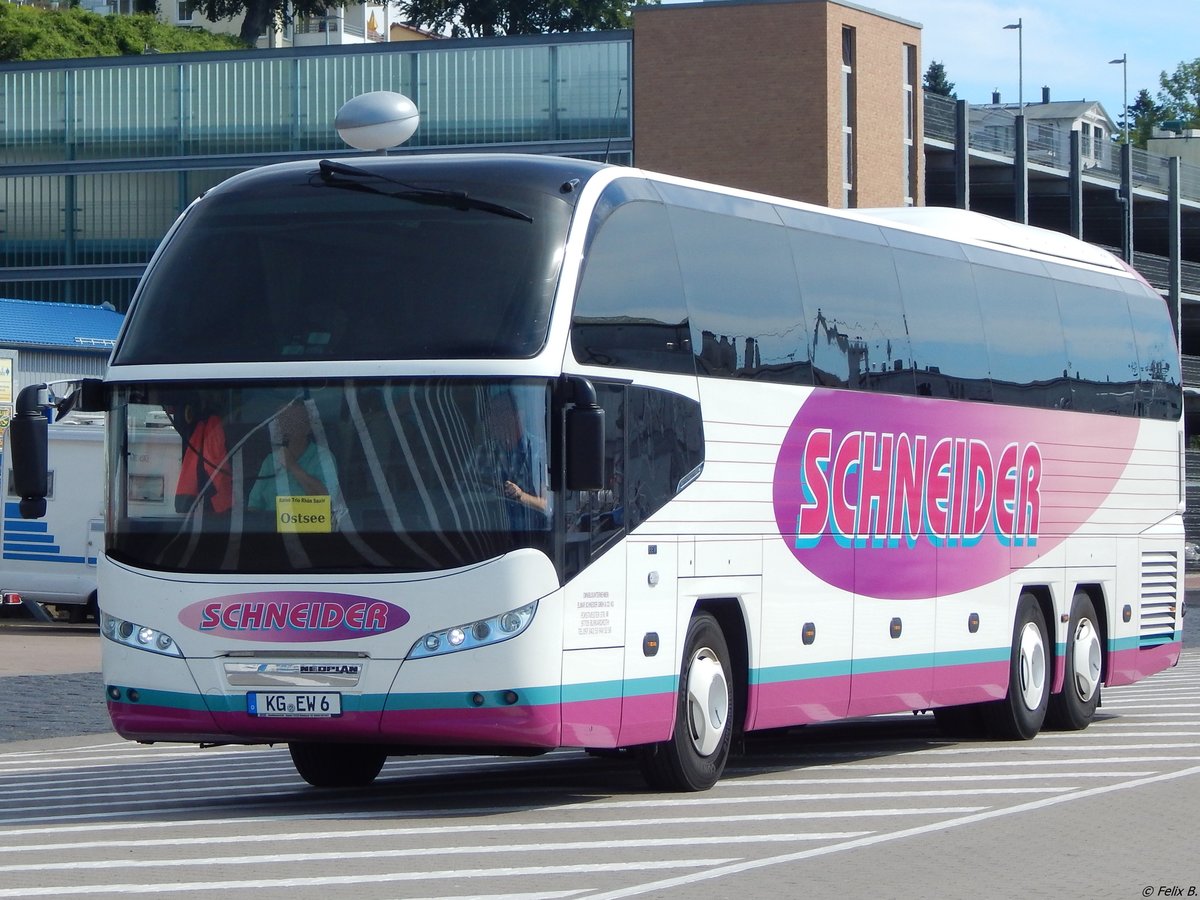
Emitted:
<point x="502" y="453"/>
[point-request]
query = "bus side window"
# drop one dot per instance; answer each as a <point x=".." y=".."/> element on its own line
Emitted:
<point x="743" y="300"/>
<point x="653" y="447"/>
<point x="1104" y="361"/>
<point x="852" y="299"/>
<point x="665" y="447"/>
<point x="1024" y="333"/>
<point x="630" y="310"/>
<point x="594" y="518"/>
<point x="1160" y="394"/>
<point x="942" y="312"/>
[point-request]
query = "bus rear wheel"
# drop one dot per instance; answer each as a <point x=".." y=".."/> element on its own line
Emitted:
<point x="694" y="757"/>
<point x="337" y="765"/>
<point x="1019" y="716"/>
<point x="1074" y="707"/>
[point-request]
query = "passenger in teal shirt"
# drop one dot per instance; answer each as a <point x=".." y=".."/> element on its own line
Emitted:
<point x="297" y="466"/>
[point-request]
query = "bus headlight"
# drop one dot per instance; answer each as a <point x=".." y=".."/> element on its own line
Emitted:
<point x="139" y="637"/>
<point x="474" y="634"/>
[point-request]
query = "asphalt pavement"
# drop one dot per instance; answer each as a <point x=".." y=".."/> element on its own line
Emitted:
<point x="50" y="683"/>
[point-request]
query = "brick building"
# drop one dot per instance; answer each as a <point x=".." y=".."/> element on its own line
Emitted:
<point x="816" y="100"/>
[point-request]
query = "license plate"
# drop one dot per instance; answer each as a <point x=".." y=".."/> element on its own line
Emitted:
<point x="315" y="705"/>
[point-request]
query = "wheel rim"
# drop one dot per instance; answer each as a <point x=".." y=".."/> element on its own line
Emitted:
<point x="708" y="702"/>
<point x="1085" y="657"/>
<point x="1032" y="666"/>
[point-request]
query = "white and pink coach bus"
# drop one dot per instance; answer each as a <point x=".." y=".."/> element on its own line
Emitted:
<point x="504" y="454"/>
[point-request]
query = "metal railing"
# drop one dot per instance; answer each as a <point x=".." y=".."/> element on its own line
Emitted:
<point x="1190" y="365"/>
<point x="1149" y="169"/>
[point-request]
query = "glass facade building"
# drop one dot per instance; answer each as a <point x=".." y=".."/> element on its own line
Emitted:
<point x="98" y="156"/>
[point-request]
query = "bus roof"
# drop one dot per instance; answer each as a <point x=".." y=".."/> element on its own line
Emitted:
<point x="960" y="224"/>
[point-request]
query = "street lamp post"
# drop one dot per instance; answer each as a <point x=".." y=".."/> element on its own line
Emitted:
<point x="1021" y="151"/>
<point x="1126" y="163"/>
<point x="1020" y="29"/>
<point x="1123" y="62"/>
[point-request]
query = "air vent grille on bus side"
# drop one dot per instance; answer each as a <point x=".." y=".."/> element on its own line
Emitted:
<point x="1160" y="598"/>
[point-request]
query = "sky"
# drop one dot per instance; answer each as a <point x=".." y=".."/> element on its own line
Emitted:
<point x="1065" y="44"/>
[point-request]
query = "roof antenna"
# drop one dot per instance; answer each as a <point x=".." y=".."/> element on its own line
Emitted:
<point x="616" y="108"/>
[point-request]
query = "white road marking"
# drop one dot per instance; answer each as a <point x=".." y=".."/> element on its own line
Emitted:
<point x="871" y="840"/>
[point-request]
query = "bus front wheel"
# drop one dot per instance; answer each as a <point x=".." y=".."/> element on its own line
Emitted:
<point x="694" y="757"/>
<point x="1019" y="716"/>
<point x="1074" y="707"/>
<point x="337" y="765"/>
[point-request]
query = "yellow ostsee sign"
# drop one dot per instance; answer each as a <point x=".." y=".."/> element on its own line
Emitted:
<point x="304" y="514"/>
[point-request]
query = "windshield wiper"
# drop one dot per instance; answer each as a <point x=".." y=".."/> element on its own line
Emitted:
<point x="332" y="174"/>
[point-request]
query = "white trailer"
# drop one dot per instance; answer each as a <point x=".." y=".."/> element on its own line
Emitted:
<point x="52" y="561"/>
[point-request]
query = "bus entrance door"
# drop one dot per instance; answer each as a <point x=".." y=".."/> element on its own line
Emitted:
<point x="650" y="641"/>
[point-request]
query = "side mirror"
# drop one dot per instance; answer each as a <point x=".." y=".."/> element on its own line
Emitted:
<point x="585" y="448"/>
<point x="87" y="395"/>
<point x="28" y="438"/>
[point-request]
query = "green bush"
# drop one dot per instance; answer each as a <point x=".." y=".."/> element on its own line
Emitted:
<point x="28" y="32"/>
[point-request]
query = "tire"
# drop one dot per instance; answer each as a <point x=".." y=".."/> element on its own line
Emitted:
<point x="1075" y="706"/>
<point x="337" y="765"/>
<point x="1019" y="716"/>
<point x="695" y="755"/>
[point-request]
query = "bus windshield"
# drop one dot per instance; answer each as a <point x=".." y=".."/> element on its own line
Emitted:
<point x="332" y="476"/>
<point x="294" y="267"/>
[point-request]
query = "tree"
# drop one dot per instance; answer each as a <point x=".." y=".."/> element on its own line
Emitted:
<point x="1144" y="115"/>
<point x="261" y="14"/>
<point x="29" y="33"/>
<point x="936" y="81"/>
<point x="1180" y="94"/>
<point x="489" y="18"/>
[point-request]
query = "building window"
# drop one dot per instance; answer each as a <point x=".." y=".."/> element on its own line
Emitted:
<point x="183" y="12"/>
<point x="1097" y="141"/>
<point x="849" y="117"/>
<point x="909" y="64"/>
<point x="1085" y="141"/>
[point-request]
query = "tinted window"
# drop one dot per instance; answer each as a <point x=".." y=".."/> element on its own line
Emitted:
<point x="1101" y="357"/>
<point x="1024" y="336"/>
<point x="856" y="323"/>
<point x="664" y="448"/>
<point x="405" y="475"/>
<point x="1159" y="384"/>
<point x="298" y="269"/>
<point x="945" y="328"/>
<point x="742" y="295"/>
<point x="653" y="442"/>
<point x="630" y="310"/>
<point x="594" y="518"/>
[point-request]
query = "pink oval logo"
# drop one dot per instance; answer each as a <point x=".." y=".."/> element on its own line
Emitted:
<point x="900" y="497"/>
<point x="293" y="616"/>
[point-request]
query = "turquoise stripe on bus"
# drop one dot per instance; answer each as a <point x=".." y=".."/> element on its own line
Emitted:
<point x="843" y="667"/>
<point x="651" y="685"/>
<point x="543" y="696"/>
<point x="973" y="657"/>
<point x="539" y="696"/>
<point x="170" y="699"/>
<point x="802" y="672"/>
<point x="1137" y="641"/>
<point x="611" y="690"/>
<point x="592" y="690"/>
